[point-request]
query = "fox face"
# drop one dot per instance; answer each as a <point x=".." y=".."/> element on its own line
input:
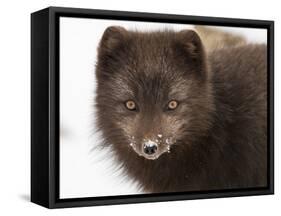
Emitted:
<point x="153" y="92"/>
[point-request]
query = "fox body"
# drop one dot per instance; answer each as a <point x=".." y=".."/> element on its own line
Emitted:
<point x="178" y="119"/>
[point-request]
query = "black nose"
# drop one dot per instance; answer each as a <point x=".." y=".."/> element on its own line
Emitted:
<point x="149" y="148"/>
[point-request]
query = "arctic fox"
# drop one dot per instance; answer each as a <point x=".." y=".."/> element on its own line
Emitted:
<point x="179" y="118"/>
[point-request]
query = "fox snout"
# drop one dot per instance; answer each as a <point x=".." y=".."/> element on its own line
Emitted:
<point x="151" y="148"/>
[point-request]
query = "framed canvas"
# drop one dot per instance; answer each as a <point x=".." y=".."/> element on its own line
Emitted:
<point x="133" y="107"/>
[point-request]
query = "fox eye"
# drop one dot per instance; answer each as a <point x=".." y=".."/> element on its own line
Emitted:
<point x="173" y="104"/>
<point x="130" y="105"/>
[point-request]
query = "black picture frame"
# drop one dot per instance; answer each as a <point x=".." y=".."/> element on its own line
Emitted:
<point x="45" y="106"/>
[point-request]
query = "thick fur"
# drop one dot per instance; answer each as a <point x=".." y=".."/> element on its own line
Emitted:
<point x="220" y="124"/>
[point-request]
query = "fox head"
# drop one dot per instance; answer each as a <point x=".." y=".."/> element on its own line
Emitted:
<point x="153" y="91"/>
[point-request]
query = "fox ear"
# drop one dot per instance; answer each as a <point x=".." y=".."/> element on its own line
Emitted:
<point x="191" y="43"/>
<point x="112" y="37"/>
<point x="191" y="51"/>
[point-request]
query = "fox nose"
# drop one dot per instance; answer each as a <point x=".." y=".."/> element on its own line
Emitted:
<point x="150" y="148"/>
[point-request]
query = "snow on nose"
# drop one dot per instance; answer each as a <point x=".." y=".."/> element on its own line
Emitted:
<point x="150" y="147"/>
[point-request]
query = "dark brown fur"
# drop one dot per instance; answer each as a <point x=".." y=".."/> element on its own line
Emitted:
<point x="219" y="127"/>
